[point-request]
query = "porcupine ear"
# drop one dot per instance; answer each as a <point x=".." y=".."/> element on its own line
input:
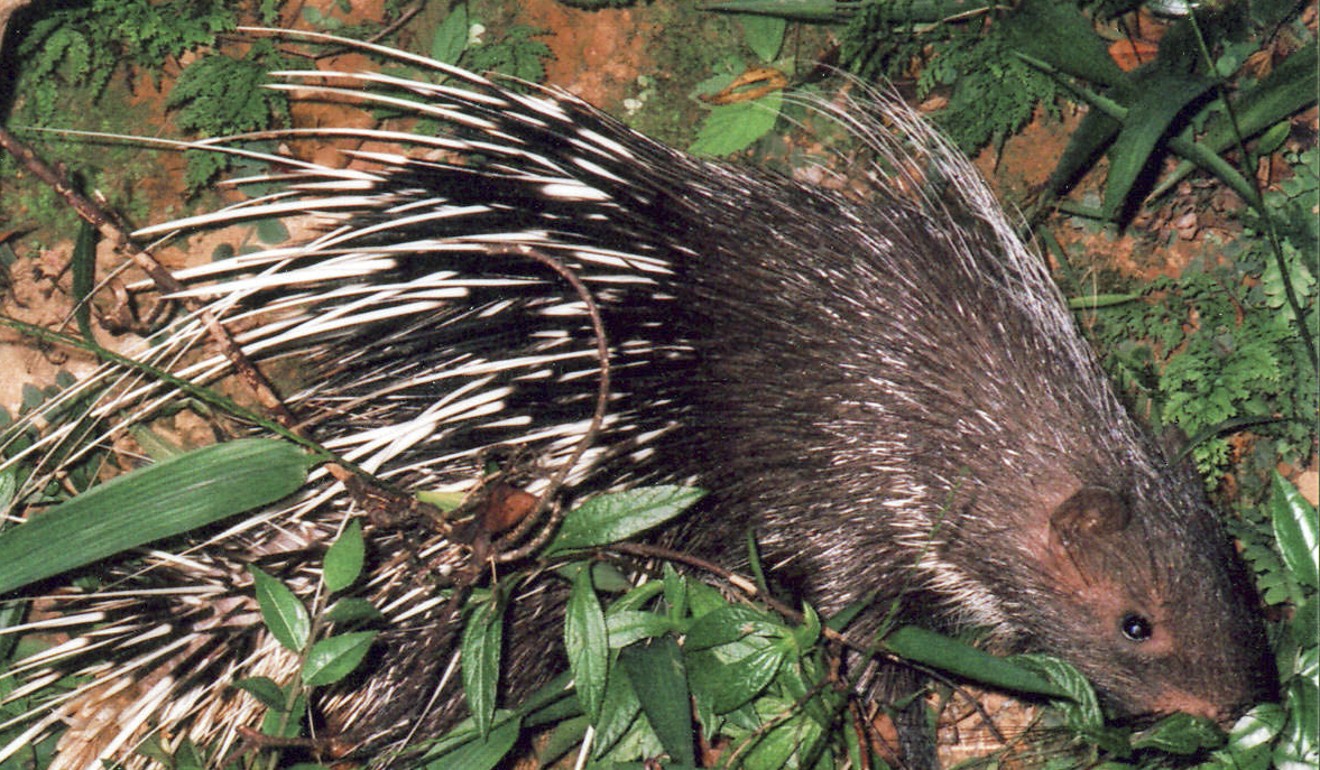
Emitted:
<point x="1082" y="525"/>
<point x="1090" y="512"/>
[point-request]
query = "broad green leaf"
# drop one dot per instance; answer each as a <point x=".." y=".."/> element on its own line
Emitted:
<point x="1081" y="705"/>
<point x="552" y="702"/>
<point x="451" y="37"/>
<point x="283" y="724"/>
<point x="628" y="626"/>
<point x="1295" y="530"/>
<point x="730" y="128"/>
<point x="1159" y="96"/>
<point x="352" y="608"/>
<point x="730" y="684"/>
<point x="791" y="739"/>
<point x="586" y="643"/>
<point x="1180" y="734"/>
<point x="482" y="637"/>
<point x="334" y="658"/>
<point x="606" y="519"/>
<point x="155" y="502"/>
<point x="731" y="623"/>
<point x="264" y="689"/>
<point x="465" y="748"/>
<point x="283" y="613"/>
<point x="1257" y="727"/>
<point x="343" y="560"/>
<point x="922" y="646"/>
<point x="660" y="682"/>
<point x="617" y="711"/>
<point x="764" y="35"/>
<point x="1063" y="37"/>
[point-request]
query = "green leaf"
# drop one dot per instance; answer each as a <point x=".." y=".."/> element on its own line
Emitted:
<point x="922" y="646"/>
<point x="606" y="519"/>
<point x="343" y="560"/>
<point x="791" y="738"/>
<point x="1295" y="529"/>
<point x="764" y="35"/>
<point x="83" y="264"/>
<point x="271" y="231"/>
<point x="285" y="724"/>
<point x="1060" y="35"/>
<point x="283" y="614"/>
<point x="586" y="643"/>
<point x="350" y="609"/>
<point x="1258" y="727"/>
<point x="730" y="128"/>
<point x="627" y="626"/>
<point x="465" y="748"/>
<point x="1181" y="734"/>
<point x="188" y="757"/>
<point x="1159" y="96"/>
<point x="726" y="685"/>
<point x="660" y="682"/>
<point x="729" y="624"/>
<point x="334" y="658"/>
<point x="617" y="711"/>
<point x="482" y="637"/>
<point x="1299" y="744"/>
<point x="451" y="37"/>
<point x="1290" y="88"/>
<point x="1081" y="706"/>
<point x="263" y="689"/>
<point x="811" y="11"/>
<point x="158" y="501"/>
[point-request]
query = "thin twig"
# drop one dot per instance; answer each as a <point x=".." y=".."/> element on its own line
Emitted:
<point x="502" y="556"/>
<point x="160" y="276"/>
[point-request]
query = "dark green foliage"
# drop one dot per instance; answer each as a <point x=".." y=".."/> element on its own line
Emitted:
<point x="994" y="93"/>
<point x="1280" y="539"/>
<point x="219" y="95"/>
<point x="83" y="45"/>
<point x="518" y="54"/>
<point x="1221" y="343"/>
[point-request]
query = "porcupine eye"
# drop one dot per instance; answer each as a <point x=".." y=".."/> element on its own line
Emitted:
<point x="1135" y="627"/>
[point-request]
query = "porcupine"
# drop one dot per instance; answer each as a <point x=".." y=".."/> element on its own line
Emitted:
<point x="886" y="387"/>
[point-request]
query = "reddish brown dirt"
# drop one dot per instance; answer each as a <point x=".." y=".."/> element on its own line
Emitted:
<point x="596" y="53"/>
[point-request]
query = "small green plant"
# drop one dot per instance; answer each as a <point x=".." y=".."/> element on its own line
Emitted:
<point x="331" y="637"/>
<point x="220" y="95"/>
<point x="1280" y="541"/>
<point x="1221" y="347"/>
<point x="85" y="44"/>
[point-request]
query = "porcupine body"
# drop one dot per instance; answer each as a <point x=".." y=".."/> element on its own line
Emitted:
<point x="886" y="387"/>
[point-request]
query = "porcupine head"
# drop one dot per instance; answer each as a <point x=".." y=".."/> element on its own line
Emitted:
<point x="1029" y="502"/>
<point x="950" y="443"/>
